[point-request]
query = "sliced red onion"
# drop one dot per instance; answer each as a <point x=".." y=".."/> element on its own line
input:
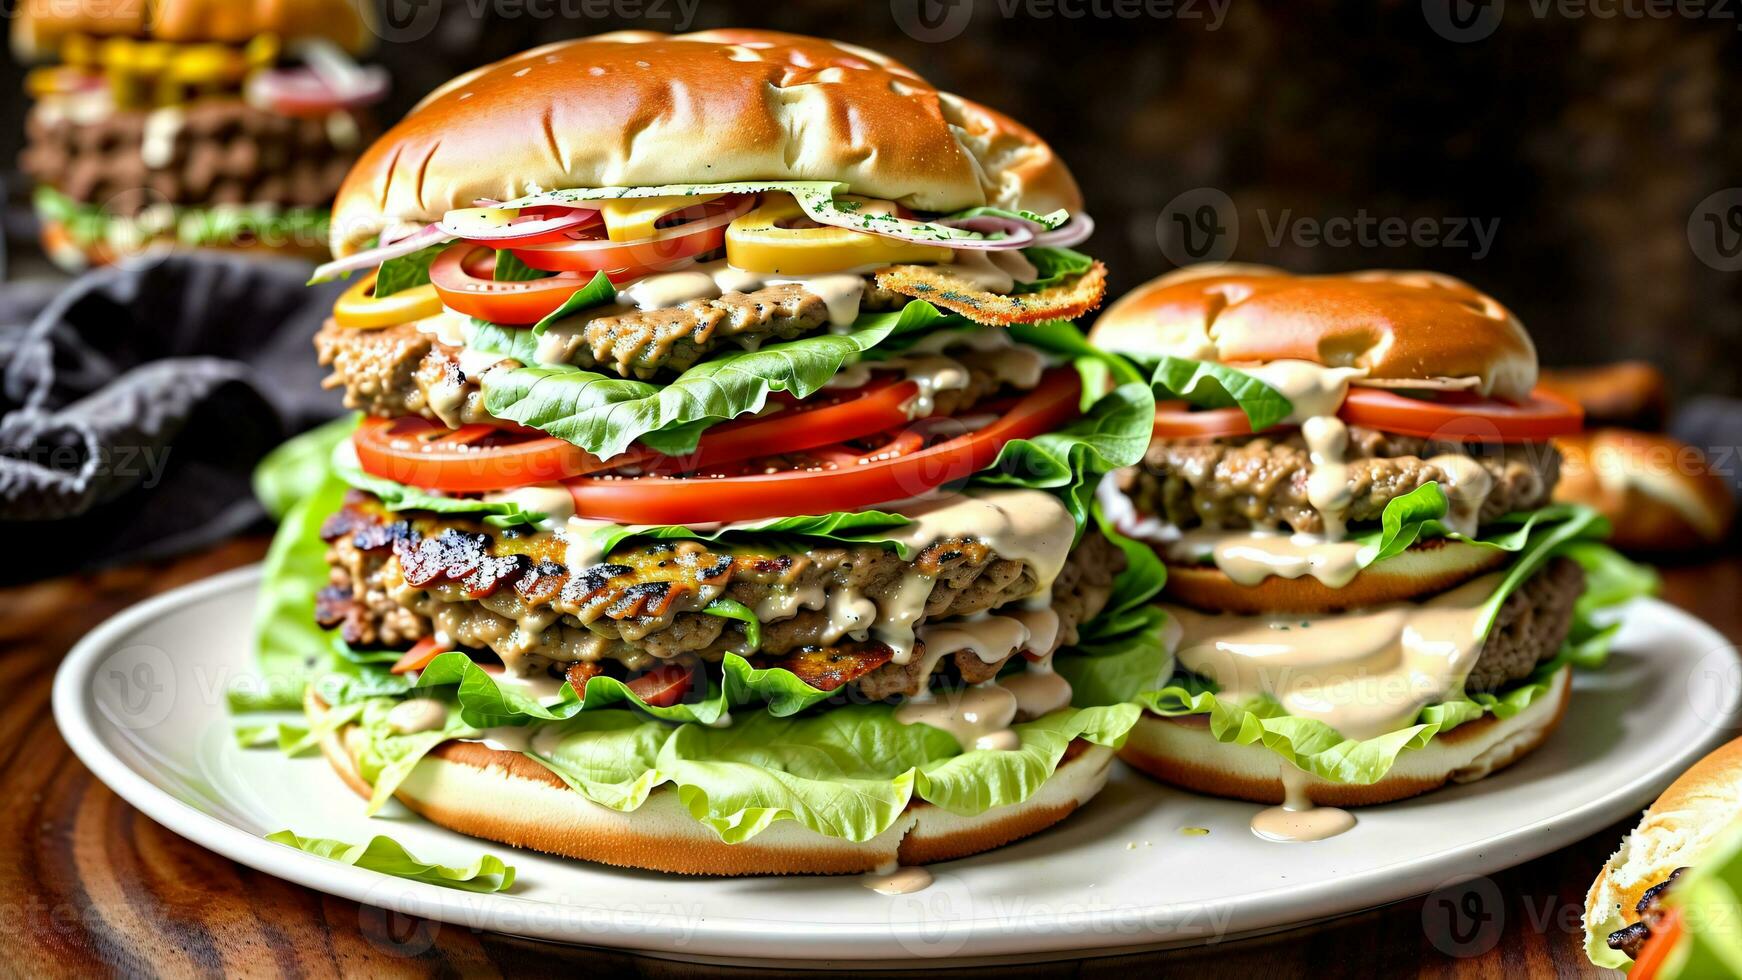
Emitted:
<point x="1068" y="235"/>
<point x="294" y="90"/>
<point x="370" y="258"/>
<point x="524" y="226"/>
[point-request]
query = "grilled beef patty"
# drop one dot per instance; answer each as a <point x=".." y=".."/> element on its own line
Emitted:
<point x="401" y="371"/>
<point x="1261" y="480"/>
<point x="398" y="578"/>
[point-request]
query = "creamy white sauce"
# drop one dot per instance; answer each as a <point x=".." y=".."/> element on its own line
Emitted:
<point x="538" y="686"/>
<point x="581" y="543"/>
<point x="978" y="717"/>
<point x="1311" y="388"/>
<point x="785" y="603"/>
<point x="1327" y="440"/>
<point x="1298" y="819"/>
<point x="850" y="615"/>
<point x="1042" y="624"/>
<point x="897" y="880"/>
<point x="447" y="327"/>
<point x="1038" y="691"/>
<point x="1249" y="557"/>
<point x="1362" y="673"/>
<point x="995" y="271"/>
<point x="899" y="611"/>
<point x="417" y="715"/>
<point x="1466" y="487"/>
<point x="841" y="292"/>
<point x="550" y="499"/>
<point x="931" y="367"/>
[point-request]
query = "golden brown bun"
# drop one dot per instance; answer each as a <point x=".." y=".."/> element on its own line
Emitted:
<point x="38" y="26"/>
<point x="73" y="257"/>
<point x="1626" y="393"/>
<point x="1658" y="492"/>
<point x="639" y="108"/>
<point x="1673" y="833"/>
<point x="1400" y="326"/>
<point x="1182" y="751"/>
<point x="1427" y="568"/>
<point x="504" y="796"/>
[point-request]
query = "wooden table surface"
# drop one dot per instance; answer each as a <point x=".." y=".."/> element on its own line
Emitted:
<point x="90" y="886"/>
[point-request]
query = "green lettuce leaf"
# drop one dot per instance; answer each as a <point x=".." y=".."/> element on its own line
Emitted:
<point x="846" y="773"/>
<point x="1055" y="265"/>
<point x="1212" y="385"/>
<point x="509" y="268"/>
<point x="289" y="648"/>
<point x="407" y="271"/>
<point x="1317" y="748"/>
<point x="387" y="757"/>
<point x="516" y="342"/>
<point x="597" y="292"/>
<point x="1072" y="460"/>
<point x="605" y="415"/>
<point x="387" y="856"/>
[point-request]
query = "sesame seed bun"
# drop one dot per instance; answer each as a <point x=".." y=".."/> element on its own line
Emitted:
<point x="636" y="108"/>
<point x="504" y="796"/>
<point x="1401" y="326"/>
<point x="1658" y="492"/>
<point x="1182" y="751"/>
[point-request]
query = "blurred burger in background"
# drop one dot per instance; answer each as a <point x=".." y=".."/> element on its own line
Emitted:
<point x="191" y="123"/>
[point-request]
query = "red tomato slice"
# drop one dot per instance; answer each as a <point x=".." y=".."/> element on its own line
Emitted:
<point x="1176" y="420"/>
<point x="419" y="656"/>
<point x="663" y="686"/>
<point x="678" y="500"/>
<point x="824" y="418"/>
<point x="704" y="231"/>
<point x="473" y="458"/>
<point x="461" y="276"/>
<point x="1453" y="417"/>
<point x="1464" y="418"/>
<point x="1657" y="949"/>
<point x="482" y="458"/>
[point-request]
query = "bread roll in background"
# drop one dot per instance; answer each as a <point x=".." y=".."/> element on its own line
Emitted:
<point x="1631" y="394"/>
<point x="1659" y="493"/>
<point x="1674" y="833"/>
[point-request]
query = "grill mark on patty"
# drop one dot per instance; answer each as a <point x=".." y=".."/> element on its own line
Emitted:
<point x="613" y="611"/>
<point x="1261" y="480"/>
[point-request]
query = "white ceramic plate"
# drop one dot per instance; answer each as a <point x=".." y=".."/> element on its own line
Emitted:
<point x="141" y="701"/>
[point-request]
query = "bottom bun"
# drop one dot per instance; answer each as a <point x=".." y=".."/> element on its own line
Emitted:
<point x="1428" y="567"/>
<point x="1182" y="751"/>
<point x="504" y="796"/>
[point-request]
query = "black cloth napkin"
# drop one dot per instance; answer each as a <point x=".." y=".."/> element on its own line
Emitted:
<point x="134" y="403"/>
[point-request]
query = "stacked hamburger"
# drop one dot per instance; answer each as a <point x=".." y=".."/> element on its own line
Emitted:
<point x="191" y="123"/>
<point x="1369" y="588"/>
<point x="723" y="496"/>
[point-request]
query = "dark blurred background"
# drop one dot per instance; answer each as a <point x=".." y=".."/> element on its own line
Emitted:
<point x="1579" y="161"/>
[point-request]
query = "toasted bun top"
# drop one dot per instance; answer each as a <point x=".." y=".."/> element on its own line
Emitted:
<point x="1400" y="326"/>
<point x="636" y="108"/>
<point x="1658" y="492"/>
<point x="38" y="26"/>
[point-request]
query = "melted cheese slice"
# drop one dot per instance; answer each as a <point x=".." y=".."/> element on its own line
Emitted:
<point x="628" y="219"/>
